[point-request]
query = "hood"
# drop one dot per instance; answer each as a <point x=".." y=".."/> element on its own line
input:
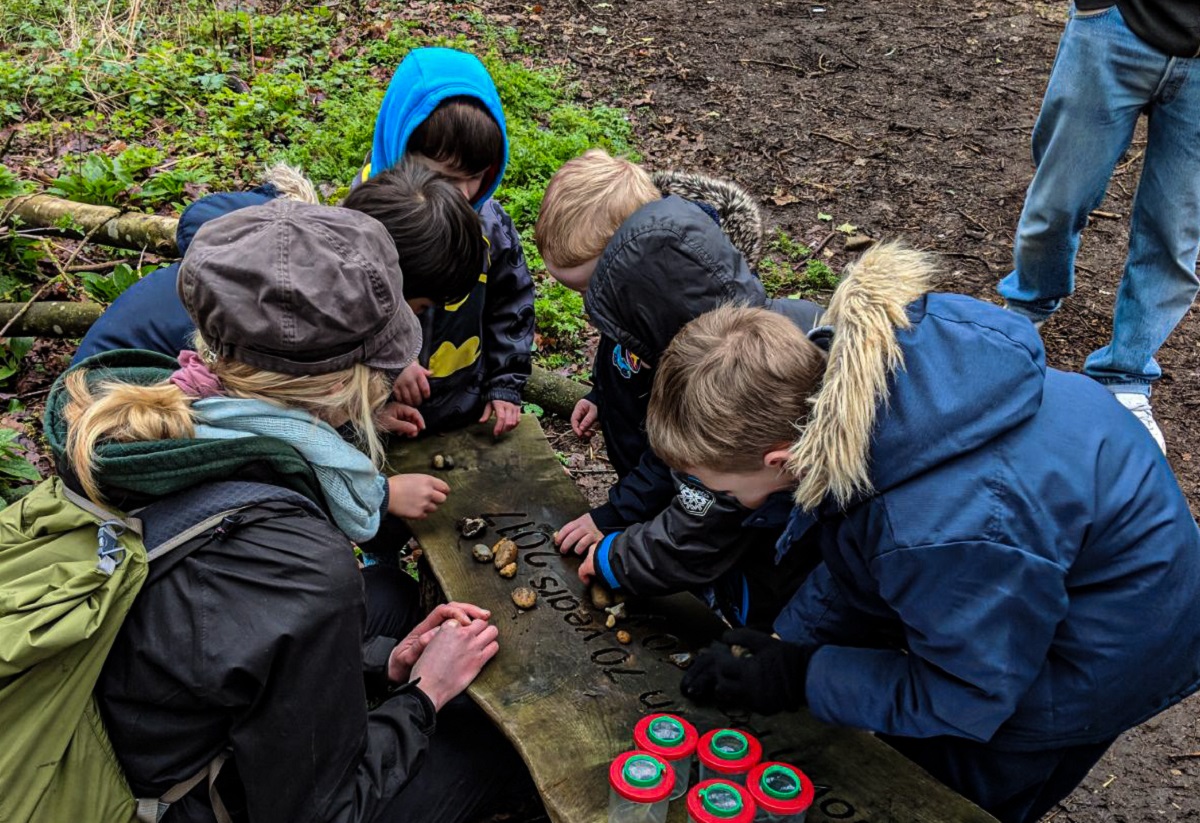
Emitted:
<point x="136" y="474"/>
<point x="280" y="180"/>
<point x="739" y="215"/>
<point x="666" y="265"/>
<point x="423" y="80"/>
<point x="913" y="380"/>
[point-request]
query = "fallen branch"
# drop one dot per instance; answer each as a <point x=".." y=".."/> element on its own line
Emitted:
<point x="103" y="224"/>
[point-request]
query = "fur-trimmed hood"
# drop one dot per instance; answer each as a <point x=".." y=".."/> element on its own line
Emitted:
<point x="740" y="217"/>
<point x="912" y="381"/>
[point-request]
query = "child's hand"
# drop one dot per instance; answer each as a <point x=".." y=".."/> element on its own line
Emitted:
<point x="412" y="386"/>
<point x="508" y="415"/>
<point x="452" y="658"/>
<point x="578" y="535"/>
<point x="400" y="418"/>
<point x="415" y="496"/>
<point x="587" y="569"/>
<point x="584" y="418"/>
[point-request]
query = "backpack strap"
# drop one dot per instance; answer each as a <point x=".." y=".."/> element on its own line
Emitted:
<point x="152" y="809"/>
<point x="104" y="515"/>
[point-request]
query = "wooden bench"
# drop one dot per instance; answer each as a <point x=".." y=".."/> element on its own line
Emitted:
<point x="567" y="693"/>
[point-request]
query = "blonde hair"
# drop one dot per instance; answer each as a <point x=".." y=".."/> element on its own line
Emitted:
<point x="732" y="385"/>
<point x="117" y="412"/>
<point x="585" y="203"/>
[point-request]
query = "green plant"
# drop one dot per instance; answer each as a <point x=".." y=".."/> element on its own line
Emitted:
<point x="534" y="409"/>
<point x="559" y="313"/>
<point x="101" y="180"/>
<point x="17" y="474"/>
<point x="11" y="356"/>
<point x="106" y="288"/>
<point x="790" y="269"/>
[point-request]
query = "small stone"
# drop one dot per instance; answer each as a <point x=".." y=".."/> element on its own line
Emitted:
<point x="601" y="596"/>
<point x="524" y="597"/>
<point x="439" y="461"/>
<point x="509" y="571"/>
<point x="858" y="242"/>
<point x="616" y="612"/>
<point x="611" y="621"/>
<point x="683" y="659"/>
<point x="481" y="552"/>
<point x="504" y="552"/>
<point x="471" y="526"/>
<point x="624" y="637"/>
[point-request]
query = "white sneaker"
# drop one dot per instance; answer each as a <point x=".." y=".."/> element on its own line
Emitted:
<point x="1139" y="404"/>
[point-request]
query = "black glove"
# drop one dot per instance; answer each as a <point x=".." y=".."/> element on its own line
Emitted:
<point x="766" y="675"/>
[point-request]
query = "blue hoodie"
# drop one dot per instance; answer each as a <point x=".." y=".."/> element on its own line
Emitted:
<point x="478" y="349"/>
<point x="1022" y="569"/>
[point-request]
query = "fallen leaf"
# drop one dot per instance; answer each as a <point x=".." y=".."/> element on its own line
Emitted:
<point x="847" y="228"/>
<point x="825" y="217"/>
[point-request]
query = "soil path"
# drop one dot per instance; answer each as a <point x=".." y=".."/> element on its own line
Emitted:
<point x="905" y="119"/>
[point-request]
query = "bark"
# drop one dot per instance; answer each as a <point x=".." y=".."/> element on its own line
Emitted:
<point x="112" y="227"/>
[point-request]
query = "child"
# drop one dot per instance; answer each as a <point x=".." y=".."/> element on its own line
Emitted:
<point x="442" y="110"/>
<point x="647" y="263"/>
<point x="1011" y="574"/>
<point x="434" y="232"/>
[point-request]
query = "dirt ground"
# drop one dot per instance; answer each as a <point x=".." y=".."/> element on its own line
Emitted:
<point x="905" y="119"/>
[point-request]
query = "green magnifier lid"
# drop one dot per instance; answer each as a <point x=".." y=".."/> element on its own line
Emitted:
<point x="730" y="745"/>
<point x="781" y="783"/>
<point x="666" y="731"/>
<point x="721" y="800"/>
<point x="642" y="772"/>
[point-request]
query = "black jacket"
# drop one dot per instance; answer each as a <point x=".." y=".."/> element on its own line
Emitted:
<point x="253" y="641"/>
<point x="1171" y="26"/>
<point x="670" y="262"/>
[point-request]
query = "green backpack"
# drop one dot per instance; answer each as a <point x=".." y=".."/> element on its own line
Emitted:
<point x="69" y="573"/>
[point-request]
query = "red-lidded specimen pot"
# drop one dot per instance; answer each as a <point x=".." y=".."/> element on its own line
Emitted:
<point x="639" y="788"/>
<point x="719" y="801"/>
<point x="781" y="792"/>
<point x="674" y="740"/>
<point x="728" y="754"/>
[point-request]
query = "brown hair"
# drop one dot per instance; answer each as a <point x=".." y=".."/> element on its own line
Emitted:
<point x="733" y="384"/>
<point x="112" y="411"/>
<point x="438" y="236"/>
<point x="585" y="203"/>
<point x="462" y="134"/>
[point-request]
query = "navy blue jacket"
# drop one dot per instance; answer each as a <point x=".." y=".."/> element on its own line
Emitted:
<point x="149" y="314"/>
<point x="1025" y="571"/>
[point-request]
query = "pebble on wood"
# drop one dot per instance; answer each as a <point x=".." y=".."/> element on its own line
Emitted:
<point x="471" y="526"/>
<point x="524" y="598"/>
<point x="624" y="637"/>
<point x="509" y="571"/>
<point x="481" y="553"/>
<point x="503" y="553"/>
<point x="683" y="659"/>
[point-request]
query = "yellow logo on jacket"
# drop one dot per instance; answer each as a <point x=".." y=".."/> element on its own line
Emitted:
<point x="449" y="358"/>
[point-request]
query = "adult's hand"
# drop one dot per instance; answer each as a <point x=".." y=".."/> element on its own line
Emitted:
<point x="508" y="415"/>
<point x="751" y="670"/>
<point x="415" y="496"/>
<point x="453" y="657"/>
<point x="578" y="536"/>
<point x="584" y="418"/>
<point x="400" y="418"/>
<point x="408" y="651"/>
<point x="412" y="386"/>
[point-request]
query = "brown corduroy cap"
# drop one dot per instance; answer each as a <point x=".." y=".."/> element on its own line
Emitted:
<point x="299" y="289"/>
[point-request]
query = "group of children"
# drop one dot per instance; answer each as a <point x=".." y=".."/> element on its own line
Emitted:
<point x="912" y="523"/>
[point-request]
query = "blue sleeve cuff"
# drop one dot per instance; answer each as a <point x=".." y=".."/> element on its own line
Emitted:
<point x="602" y="561"/>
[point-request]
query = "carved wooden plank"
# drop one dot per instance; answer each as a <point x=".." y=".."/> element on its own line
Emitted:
<point x="568" y="694"/>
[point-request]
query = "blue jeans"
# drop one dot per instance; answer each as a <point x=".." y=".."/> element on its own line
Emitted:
<point x="1103" y="78"/>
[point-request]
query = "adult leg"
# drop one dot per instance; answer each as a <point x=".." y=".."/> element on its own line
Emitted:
<point x="470" y="770"/>
<point x="1097" y="87"/>
<point x="1014" y="787"/>
<point x="1159" y="281"/>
